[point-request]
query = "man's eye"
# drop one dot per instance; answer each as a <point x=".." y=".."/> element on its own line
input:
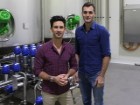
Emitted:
<point x="55" y="27"/>
<point x="61" y="27"/>
<point x="85" y="12"/>
<point x="90" y="12"/>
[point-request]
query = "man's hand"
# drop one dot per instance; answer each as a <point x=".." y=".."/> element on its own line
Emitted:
<point x="61" y="79"/>
<point x="99" y="81"/>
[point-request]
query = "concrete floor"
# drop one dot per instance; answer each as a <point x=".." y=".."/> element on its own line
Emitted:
<point x="122" y="86"/>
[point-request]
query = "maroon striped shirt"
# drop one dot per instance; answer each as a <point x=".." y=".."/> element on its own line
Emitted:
<point x="53" y="63"/>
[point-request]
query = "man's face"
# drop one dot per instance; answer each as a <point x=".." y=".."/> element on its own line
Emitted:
<point x="58" y="29"/>
<point x="88" y="14"/>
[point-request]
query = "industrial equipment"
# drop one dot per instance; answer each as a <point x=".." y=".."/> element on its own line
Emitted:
<point x="72" y="21"/>
<point x="17" y="75"/>
<point x="6" y="25"/>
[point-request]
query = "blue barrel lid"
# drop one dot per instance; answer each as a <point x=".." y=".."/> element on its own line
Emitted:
<point x="17" y="50"/>
<point x="5" y="69"/>
<point x="16" y="67"/>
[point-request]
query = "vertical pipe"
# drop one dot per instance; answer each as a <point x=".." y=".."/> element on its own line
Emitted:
<point x="24" y="88"/>
<point x="121" y="20"/>
<point x="100" y="10"/>
<point x="42" y="7"/>
<point x="97" y="13"/>
<point x="96" y="6"/>
<point x="5" y="77"/>
<point x="107" y="14"/>
<point x="37" y="86"/>
<point x="97" y="9"/>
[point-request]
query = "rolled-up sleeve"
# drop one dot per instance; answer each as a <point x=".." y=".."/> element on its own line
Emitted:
<point x="39" y="61"/>
<point x="73" y="61"/>
<point x="105" y="43"/>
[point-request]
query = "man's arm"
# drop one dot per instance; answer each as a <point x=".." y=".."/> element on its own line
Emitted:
<point x="105" y="64"/>
<point x="43" y="75"/>
<point x="73" y="66"/>
<point x="100" y="79"/>
<point x="76" y="78"/>
<point x="71" y="72"/>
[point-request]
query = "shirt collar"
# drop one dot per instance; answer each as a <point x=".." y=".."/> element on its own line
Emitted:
<point x="51" y="43"/>
<point x="92" y="26"/>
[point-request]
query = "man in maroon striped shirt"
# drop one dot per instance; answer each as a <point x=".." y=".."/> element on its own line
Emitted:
<point x="54" y="62"/>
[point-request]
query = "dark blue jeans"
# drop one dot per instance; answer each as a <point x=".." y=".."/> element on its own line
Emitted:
<point x="87" y="86"/>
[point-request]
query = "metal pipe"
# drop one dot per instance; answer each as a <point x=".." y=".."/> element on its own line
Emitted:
<point x="32" y="64"/>
<point x="5" y="77"/>
<point x="24" y="88"/>
<point x="121" y="21"/>
<point x="17" y="58"/>
<point x="25" y="62"/>
<point x="9" y="59"/>
<point x="99" y="10"/>
<point x="9" y="82"/>
<point x="76" y="85"/>
<point x="9" y="95"/>
<point x="96" y="10"/>
<point x="20" y="84"/>
<point x="3" y="84"/>
<point x="42" y="19"/>
<point x="107" y="15"/>
<point x="37" y="86"/>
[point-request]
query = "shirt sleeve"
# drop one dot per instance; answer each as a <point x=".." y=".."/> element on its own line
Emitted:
<point x="105" y="42"/>
<point x="73" y="61"/>
<point x="39" y="61"/>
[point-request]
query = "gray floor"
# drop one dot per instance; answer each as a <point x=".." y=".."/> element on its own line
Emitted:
<point x="122" y="85"/>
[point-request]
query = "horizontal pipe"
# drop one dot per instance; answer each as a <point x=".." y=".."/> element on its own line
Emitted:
<point x="9" y="81"/>
<point x="76" y="85"/>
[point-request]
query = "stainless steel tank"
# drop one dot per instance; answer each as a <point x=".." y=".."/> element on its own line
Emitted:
<point x="26" y="22"/>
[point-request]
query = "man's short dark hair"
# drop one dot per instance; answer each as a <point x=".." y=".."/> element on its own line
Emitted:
<point x="57" y="18"/>
<point x="87" y="4"/>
